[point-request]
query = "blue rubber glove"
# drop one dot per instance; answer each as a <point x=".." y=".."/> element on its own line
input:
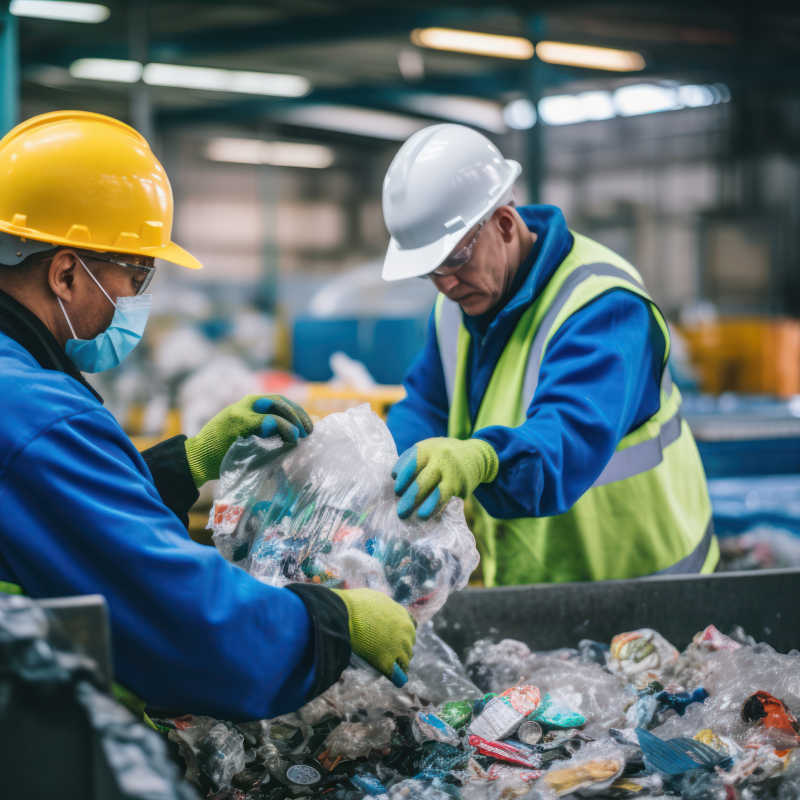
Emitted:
<point x="435" y="470"/>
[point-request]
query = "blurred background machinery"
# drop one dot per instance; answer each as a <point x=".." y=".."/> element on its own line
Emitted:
<point x="668" y="131"/>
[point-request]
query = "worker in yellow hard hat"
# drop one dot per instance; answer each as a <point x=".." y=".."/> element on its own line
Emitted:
<point x="85" y="210"/>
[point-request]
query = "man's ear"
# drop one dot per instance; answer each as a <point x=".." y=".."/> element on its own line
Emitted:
<point x="507" y="223"/>
<point x="61" y="275"/>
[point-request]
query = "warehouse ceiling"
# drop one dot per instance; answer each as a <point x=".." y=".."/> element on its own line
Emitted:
<point x="354" y="53"/>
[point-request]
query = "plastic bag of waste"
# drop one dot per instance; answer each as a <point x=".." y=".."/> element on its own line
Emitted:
<point x="590" y="771"/>
<point x="324" y="511"/>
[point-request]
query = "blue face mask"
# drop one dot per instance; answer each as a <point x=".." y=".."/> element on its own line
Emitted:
<point x="109" y="348"/>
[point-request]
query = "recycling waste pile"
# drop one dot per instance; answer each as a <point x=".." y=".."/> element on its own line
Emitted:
<point x="629" y="718"/>
<point x="633" y="719"/>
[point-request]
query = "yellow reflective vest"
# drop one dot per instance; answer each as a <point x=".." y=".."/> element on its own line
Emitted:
<point x="647" y="513"/>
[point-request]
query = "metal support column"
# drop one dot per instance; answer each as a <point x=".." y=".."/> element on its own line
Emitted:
<point x="535" y="167"/>
<point x="9" y="72"/>
<point x="139" y="50"/>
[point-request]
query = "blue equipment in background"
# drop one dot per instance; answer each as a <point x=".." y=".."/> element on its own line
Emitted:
<point x="386" y="346"/>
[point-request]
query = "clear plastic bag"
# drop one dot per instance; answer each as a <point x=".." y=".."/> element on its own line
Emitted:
<point x="324" y="511"/>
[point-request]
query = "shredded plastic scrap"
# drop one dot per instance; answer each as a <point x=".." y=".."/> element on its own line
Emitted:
<point x="324" y="511"/>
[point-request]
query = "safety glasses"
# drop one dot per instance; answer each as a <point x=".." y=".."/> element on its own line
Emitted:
<point x="460" y="257"/>
<point x="145" y="270"/>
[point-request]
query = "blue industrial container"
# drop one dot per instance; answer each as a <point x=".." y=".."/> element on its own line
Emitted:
<point x="386" y="346"/>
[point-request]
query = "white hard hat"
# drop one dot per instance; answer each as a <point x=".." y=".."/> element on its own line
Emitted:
<point x="443" y="181"/>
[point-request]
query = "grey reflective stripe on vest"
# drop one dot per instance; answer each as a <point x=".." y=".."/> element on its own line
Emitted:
<point x="640" y="457"/>
<point x="695" y="560"/>
<point x="447" y="330"/>
<point x="582" y="273"/>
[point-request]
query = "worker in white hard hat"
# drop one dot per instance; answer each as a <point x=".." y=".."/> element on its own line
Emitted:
<point x="542" y="396"/>
<point x="85" y="209"/>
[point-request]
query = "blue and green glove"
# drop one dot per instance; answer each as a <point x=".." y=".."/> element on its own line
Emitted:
<point x="431" y="472"/>
<point x="382" y="632"/>
<point x="264" y="415"/>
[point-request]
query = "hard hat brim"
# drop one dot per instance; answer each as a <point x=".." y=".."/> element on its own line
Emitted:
<point x="414" y="263"/>
<point x="170" y="252"/>
<point x="400" y="264"/>
<point x="174" y="254"/>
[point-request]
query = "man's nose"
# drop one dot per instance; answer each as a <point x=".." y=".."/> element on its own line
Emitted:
<point x="446" y="283"/>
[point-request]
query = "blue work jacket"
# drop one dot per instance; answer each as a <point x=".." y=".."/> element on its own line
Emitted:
<point x="600" y="378"/>
<point x="83" y="515"/>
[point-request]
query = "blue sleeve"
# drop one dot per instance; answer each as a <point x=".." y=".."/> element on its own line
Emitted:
<point x="600" y="378"/>
<point x="190" y="631"/>
<point x="424" y="411"/>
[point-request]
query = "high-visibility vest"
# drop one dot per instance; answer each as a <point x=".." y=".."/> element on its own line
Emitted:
<point x="648" y="511"/>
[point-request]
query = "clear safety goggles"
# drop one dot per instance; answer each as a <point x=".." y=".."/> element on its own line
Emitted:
<point x="136" y="263"/>
<point x="458" y="258"/>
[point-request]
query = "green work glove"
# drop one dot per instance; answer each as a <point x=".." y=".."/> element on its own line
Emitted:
<point x="381" y="631"/>
<point x="265" y="415"/>
<point x="431" y="472"/>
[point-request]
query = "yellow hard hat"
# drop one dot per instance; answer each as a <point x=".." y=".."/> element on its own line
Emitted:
<point x="86" y="180"/>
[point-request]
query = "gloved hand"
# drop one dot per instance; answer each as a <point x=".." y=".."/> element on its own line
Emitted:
<point x="266" y="415"/>
<point x="382" y="632"/>
<point x="431" y="472"/>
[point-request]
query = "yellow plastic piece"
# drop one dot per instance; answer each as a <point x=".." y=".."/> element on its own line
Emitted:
<point x="87" y="180"/>
<point x="323" y="399"/>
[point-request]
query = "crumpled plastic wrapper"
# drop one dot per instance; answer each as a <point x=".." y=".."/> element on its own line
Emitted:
<point x="354" y="740"/>
<point x="325" y="511"/>
<point x="592" y="770"/>
<point x="211" y="747"/>
<point x="641" y="656"/>
<point x="360" y="695"/>
<point x="436" y="673"/>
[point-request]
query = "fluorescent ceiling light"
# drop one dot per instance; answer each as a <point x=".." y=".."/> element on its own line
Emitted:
<point x="59" y="9"/>
<point x="106" y="69"/>
<point x="473" y="111"/>
<point x="627" y="101"/>
<point x="357" y="120"/>
<point x="225" y="80"/>
<point x="697" y="96"/>
<point x="579" y="55"/>
<point x="567" y="109"/>
<point x="520" y="114"/>
<point x="279" y="154"/>
<point x="479" y="44"/>
<point x="644" y="98"/>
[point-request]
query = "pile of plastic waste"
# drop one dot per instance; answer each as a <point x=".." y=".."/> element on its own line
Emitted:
<point x="324" y="511"/>
<point x="632" y="718"/>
